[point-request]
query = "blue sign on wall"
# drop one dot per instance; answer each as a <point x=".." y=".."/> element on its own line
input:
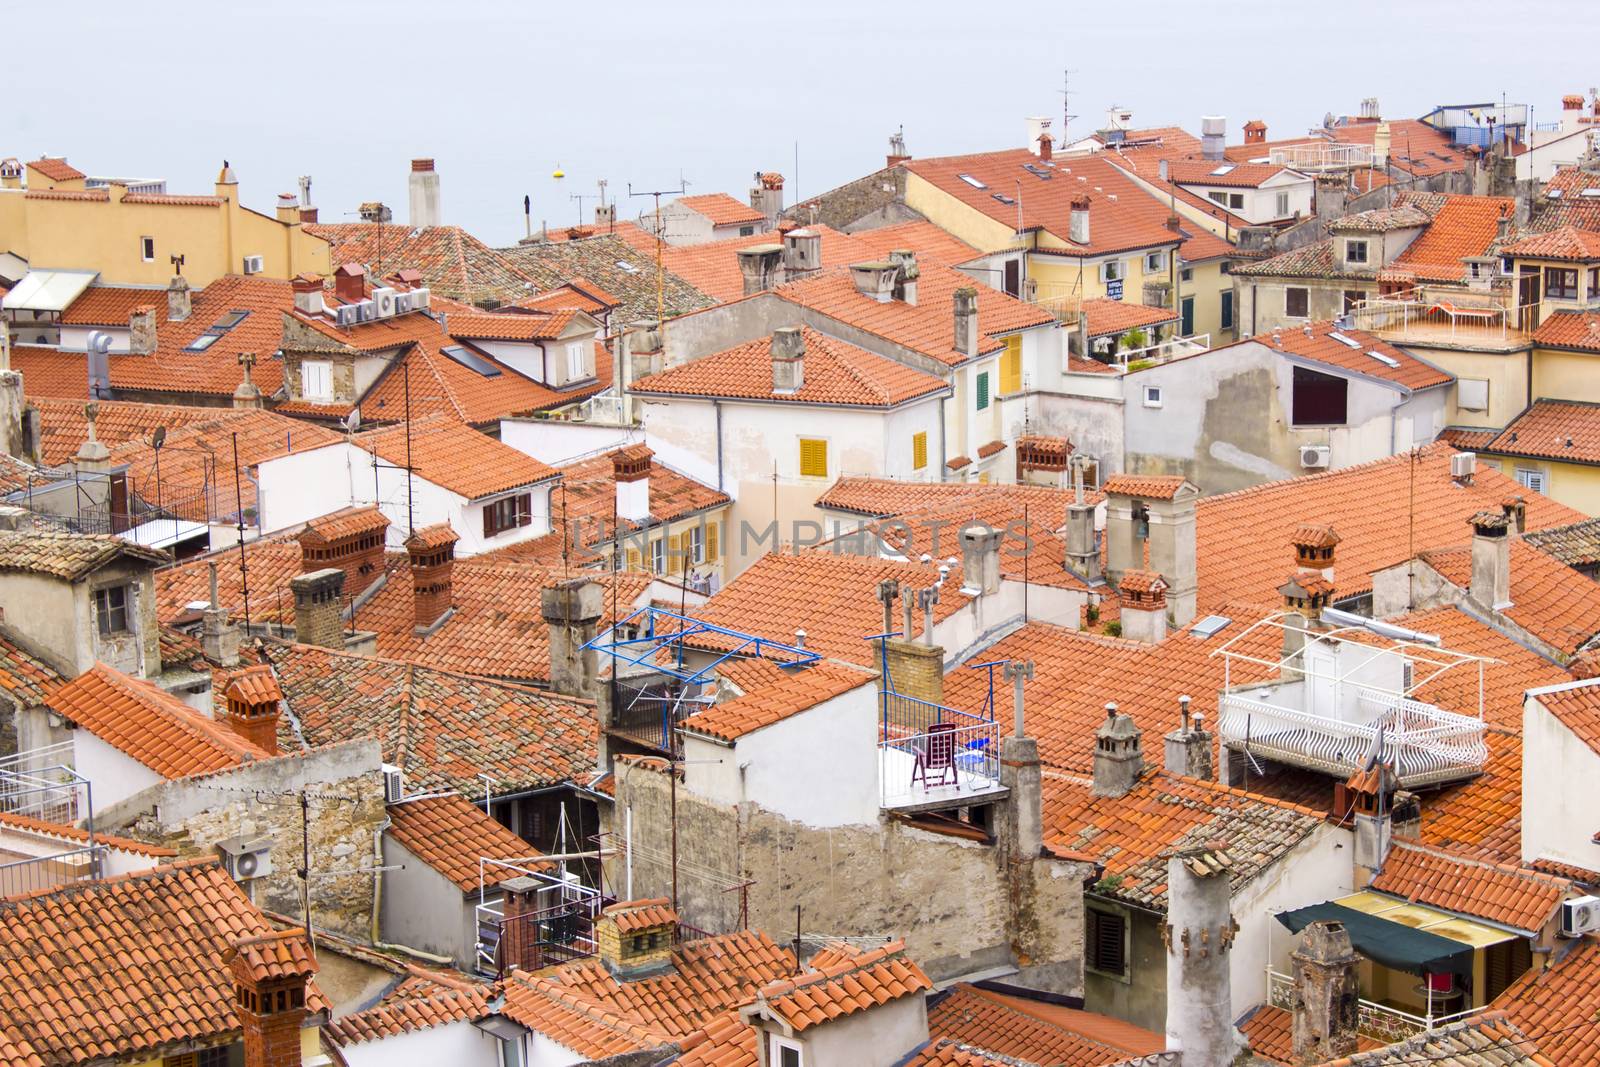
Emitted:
<point x="1114" y="289"/>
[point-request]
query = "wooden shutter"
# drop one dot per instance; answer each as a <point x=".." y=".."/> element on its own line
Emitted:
<point x="711" y="542"/>
<point x="632" y="557"/>
<point x="488" y="520"/>
<point x="813" y="458"/>
<point x="1106" y="936"/>
<point x="1011" y="366"/>
<point x="919" y="450"/>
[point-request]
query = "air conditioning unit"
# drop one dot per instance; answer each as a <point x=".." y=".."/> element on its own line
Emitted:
<point x="246" y="858"/>
<point x="347" y="315"/>
<point x="1463" y="465"/>
<point x="393" y="784"/>
<point x="1315" y="457"/>
<point x="420" y="299"/>
<point x="254" y="264"/>
<point x="383" y="301"/>
<point x="367" y="309"/>
<point x="1580" y="916"/>
<point x="402" y="303"/>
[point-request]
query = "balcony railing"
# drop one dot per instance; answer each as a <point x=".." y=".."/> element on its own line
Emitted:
<point x="1424" y="744"/>
<point x="1377" y="1021"/>
<point x="30" y="874"/>
<point x="931" y="756"/>
<point x="1462" y="319"/>
<point x="1161" y="352"/>
<point x="1322" y="155"/>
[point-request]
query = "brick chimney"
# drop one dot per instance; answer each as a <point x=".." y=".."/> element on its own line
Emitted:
<point x="761" y="267"/>
<point x="432" y="552"/>
<point x="905" y="282"/>
<point x="788" y="360"/>
<point x="270" y="976"/>
<point x="1144" y="606"/>
<point x="915" y="668"/>
<point x="572" y="610"/>
<point x="1314" y="546"/>
<point x="142" y="330"/>
<point x="1255" y="132"/>
<point x="307" y="294"/>
<point x="1046" y="147"/>
<point x="350" y="539"/>
<point x="350" y="283"/>
<point x="1188" y="748"/>
<point x="179" y="302"/>
<point x="630" y="467"/>
<point x="1078" y="221"/>
<point x="424" y="194"/>
<point x="317" y="608"/>
<point x="1327" y="993"/>
<point x="1491" y="560"/>
<point x="634" y="938"/>
<point x="252" y="700"/>
<point x="1198" y="935"/>
<point x="980" y="560"/>
<point x="965" y="309"/>
<point x="1118" y="755"/>
<point x="766" y="195"/>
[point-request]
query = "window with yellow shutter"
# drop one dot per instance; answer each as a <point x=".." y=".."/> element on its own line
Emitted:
<point x="813" y="457"/>
<point x="711" y="542"/>
<point x="919" y="450"/>
<point x="1011" y="366"/>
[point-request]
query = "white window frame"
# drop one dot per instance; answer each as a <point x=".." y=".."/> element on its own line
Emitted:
<point x="577" y="365"/>
<point x="697" y="544"/>
<point x="1111" y="271"/>
<point x="1530" y="479"/>
<point x="658" y="555"/>
<point x="1155" y="262"/>
<point x="1152" y="396"/>
<point x="324" y="370"/>
<point x="1281" y="204"/>
<point x="147" y="249"/>
<point x="777" y="1047"/>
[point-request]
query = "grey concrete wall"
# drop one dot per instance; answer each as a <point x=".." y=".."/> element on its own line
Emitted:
<point x="418" y="903"/>
<point x="1142" y="998"/>
<point x="1094" y="426"/>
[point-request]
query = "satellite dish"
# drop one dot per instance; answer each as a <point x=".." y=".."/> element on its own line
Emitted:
<point x="158" y="438"/>
<point x="352" y="421"/>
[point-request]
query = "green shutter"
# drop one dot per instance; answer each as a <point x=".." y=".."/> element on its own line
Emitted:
<point x="983" y="390"/>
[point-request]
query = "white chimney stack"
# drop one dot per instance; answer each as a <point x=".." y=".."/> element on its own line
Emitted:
<point x="424" y="194"/>
<point x="631" y="468"/>
<point x="1213" y="136"/>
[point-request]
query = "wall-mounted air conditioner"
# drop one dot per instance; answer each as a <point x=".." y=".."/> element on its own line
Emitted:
<point x="383" y="301"/>
<point x="393" y="784"/>
<point x="254" y="264"/>
<point x="246" y="858"/>
<point x="1315" y="457"/>
<point x="1580" y="916"/>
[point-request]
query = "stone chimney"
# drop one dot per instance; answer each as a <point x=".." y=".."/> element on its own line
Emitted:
<point x="288" y="209"/>
<point x="643" y="339"/>
<point x="1314" y="546"/>
<point x="905" y="283"/>
<point x="1213" y="137"/>
<point x="432" y="552"/>
<point x="1515" y="507"/>
<point x="766" y="196"/>
<point x="317" y="610"/>
<point x="876" y="279"/>
<point x="1491" y="560"/>
<point x="1188" y="748"/>
<point x="761" y="267"/>
<point x="252" y="698"/>
<point x="633" y="938"/>
<point x="179" y="302"/>
<point x="219" y="639"/>
<point x="1327" y="993"/>
<point x="1380" y="146"/>
<point x="605" y="217"/>
<point x="142" y="330"/>
<point x="350" y="283"/>
<point x="13" y="408"/>
<point x="1078" y="221"/>
<point x="1198" y="935"/>
<point x="270" y="975"/>
<point x="788" y="360"/>
<point x="1020" y="772"/>
<point x="92" y="455"/>
<point x="351" y="539"/>
<point x="980" y="560"/>
<point x="572" y="610"/>
<point x="965" y="308"/>
<point x="1118" y="755"/>
<point x="1144" y="606"/>
<point x="630" y="468"/>
<point x="308" y="294"/>
<point x="802" y="253"/>
<point x="1255" y="132"/>
<point x="424" y="194"/>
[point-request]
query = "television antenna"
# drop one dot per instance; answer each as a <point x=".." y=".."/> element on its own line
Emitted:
<point x="661" y="277"/>
<point x="1066" y="105"/>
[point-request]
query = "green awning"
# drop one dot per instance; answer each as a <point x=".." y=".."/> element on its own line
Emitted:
<point x="1392" y="944"/>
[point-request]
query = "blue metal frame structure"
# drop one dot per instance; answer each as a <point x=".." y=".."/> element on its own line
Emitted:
<point x="653" y="641"/>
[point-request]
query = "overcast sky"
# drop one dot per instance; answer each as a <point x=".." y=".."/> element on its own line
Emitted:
<point x="501" y="94"/>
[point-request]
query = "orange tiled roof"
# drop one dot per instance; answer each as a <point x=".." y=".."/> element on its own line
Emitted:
<point x="420" y="1002"/>
<point x="110" y="305"/>
<point x="1321" y="347"/>
<point x="1549" y="599"/>
<point x="124" y="967"/>
<point x="1270" y="1030"/>
<point x="928" y="241"/>
<point x="253" y="685"/>
<point x="456" y="457"/>
<point x="56" y="168"/>
<point x="1578" y="708"/>
<point x="508" y="327"/>
<point x="729" y="1042"/>
<point x="1552" y="429"/>
<point x="845" y="988"/>
<point x="1145" y="486"/>
<point x="632" y="915"/>
<point x="451" y="834"/>
<point x="272" y="956"/>
<point x="885" y="497"/>
<point x="836" y="372"/>
<point x="624" y="262"/>
<point x="67" y="555"/>
<point x="1033" y="1031"/>
<point x="713" y="266"/>
<point x="1568" y="242"/>
<point x="1486" y="1040"/>
<point x="1415" y="148"/>
<point x="453" y="262"/>
<point x="721" y="209"/>
<point x="926" y="327"/>
<point x="1462" y="226"/>
<point x="1511" y="896"/>
<point x="63" y="425"/>
<point x="1570" y="329"/>
<point x="23" y="675"/>
<point x="796" y="692"/>
<point x="346" y="522"/>
<point x="1117" y="316"/>
<point x="28" y="824"/>
<point x="150" y="725"/>
<point x="1560" y="1004"/>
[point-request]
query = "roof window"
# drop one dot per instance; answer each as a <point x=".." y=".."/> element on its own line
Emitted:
<point x="1348" y="342"/>
<point x="1387" y="361"/>
<point x="970" y="180"/>
<point x="1226" y="168"/>
<point x="471" y="360"/>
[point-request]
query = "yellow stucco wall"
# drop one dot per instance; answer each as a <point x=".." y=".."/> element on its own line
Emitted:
<point x="1576" y="485"/>
<point x="107" y="236"/>
<point x="1506" y="373"/>
<point x="949" y="214"/>
<point x="1565" y="375"/>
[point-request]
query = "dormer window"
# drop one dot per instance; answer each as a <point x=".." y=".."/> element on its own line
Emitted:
<point x="1355" y="251"/>
<point x="1561" y="283"/>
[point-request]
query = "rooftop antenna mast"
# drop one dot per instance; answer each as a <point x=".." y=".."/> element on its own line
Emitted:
<point x="1066" y="105"/>
<point x="660" y="228"/>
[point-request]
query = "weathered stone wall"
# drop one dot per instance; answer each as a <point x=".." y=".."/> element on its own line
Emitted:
<point x="875" y="200"/>
<point x="345" y="808"/>
<point x="960" y="905"/>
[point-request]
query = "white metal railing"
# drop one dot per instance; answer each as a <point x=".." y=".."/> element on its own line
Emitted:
<point x="1066" y="309"/>
<point x="603" y="407"/>
<point x="1162" y="351"/>
<point x="1424" y="744"/>
<point x="42" y="783"/>
<point x="1322" y="155"/>
<point x="1417" y="315"/>
<point x="976" y="757"/>
<point x="1377" y="1021"/>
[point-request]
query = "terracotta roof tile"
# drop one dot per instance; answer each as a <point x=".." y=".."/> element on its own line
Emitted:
<point x="1270" y="1031"/>
<point x="453" y="262"/>
<point x="798" y="691"/>
<point x="1487" y="1040"/>
<point x="1462" y="226"/>
<point x="1511" y="896"/>
<point x="273" y="956"/>
<point x="1145" y="486"/>
<point x="835" y="372"/>
<point x="1034" y="1031"/>
<point x="1467" y="438"/>
<point x="845" y="988"/>
<point x="509" y="327"/>
<point x="346" y="522"/>
<point x="253" y="685"/>
<point x="1570" y="329"/>
<point x="1560" y="1004"/>
<point x="1549" y="599"/>
<point x="150" y="725"/>
<point x="56" y="168"/>
<point x="713" y="267"/>
<point x="1568" y="242"/>
<point x="721" y="209"/>
<point x="1320" y="346"/>
<point x="456" y="457"/>
<point x="609" y="261"/>
<point x="110" y="305"/>
<point x="451" y="834"/>
<point x="632" y="915"/>
<point x="124" y="967"/>
<point x="77" y="835"/>
<point x="28" y="679"/>
<point x="1118" y="316"/>
<point x="1382" y="220"/>
<point x="1552" y="429"/>
<point x="928" y="241"/>
<point x="64" y="427"/>
<point x="404" y="1012"/>
<point x="68" y="556"/>
<point x="1578" y="709"/>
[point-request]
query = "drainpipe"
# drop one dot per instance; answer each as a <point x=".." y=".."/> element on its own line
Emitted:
<point x="944" y="453"/>
<point x="377" y="903"/>
<point x="716" y="407"/>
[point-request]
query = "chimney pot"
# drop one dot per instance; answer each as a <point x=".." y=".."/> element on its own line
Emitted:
<point x="308" y="294"/>
<point x="980" y="560"/>
<point x="965" y="307"/>
<point x="288" y="208"/>
<point x="179" y="301"/>
<point x="630" y="469"/>
<point x="350" y="283"/>
<point x="269" y="996"/>
<point x="761" y="267"/>
<point x="317" y="610"/>
<point x="424" y="189"/>
<point x="1327" y="983"/>
<point x="1490" y="584"/>
<point x="876" y="279"/>
<point x="1078" y="221"/>
<point x="1118" y="755"/>
<point x="572" y="610"/>
<point x="432" y="553"/>
<point x="788" y="359"/>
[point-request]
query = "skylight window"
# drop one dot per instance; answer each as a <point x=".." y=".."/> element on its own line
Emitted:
<point x="1553" y="194"/>
<point x="1226" y="168"/>
<point x="970" y="180"/>
<point x="1387" y="361"/>
<point x="1348" y="342"/>
<point x="203" y="342"/>
<point x="230" y="320"/>
<point x="471" y="360"/>
<point x="1590" y="193"/>
<point x="1210" y="625"/>
<point x="626" y="267"/>
<point x="1003" y="198"/>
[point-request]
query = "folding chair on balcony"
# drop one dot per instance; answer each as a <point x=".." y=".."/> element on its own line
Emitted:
<point x="936" y="759"/>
